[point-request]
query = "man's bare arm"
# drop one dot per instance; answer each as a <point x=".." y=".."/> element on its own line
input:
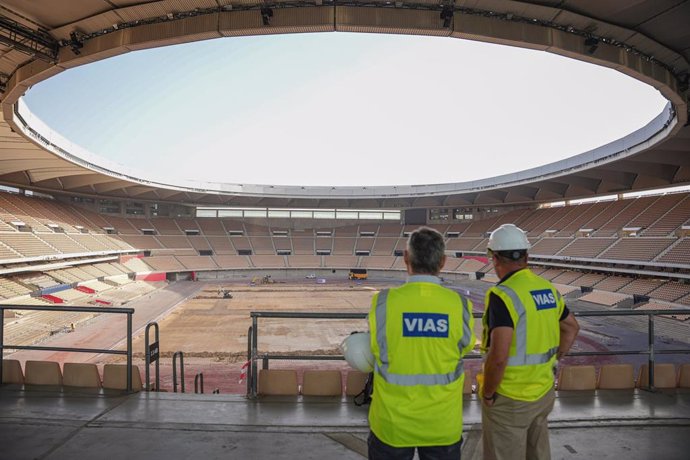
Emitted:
<point x="569" y="330"/>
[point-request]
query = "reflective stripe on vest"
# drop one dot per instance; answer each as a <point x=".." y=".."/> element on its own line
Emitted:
<point x="521" y="357"/>
<point x="416" y="379"/>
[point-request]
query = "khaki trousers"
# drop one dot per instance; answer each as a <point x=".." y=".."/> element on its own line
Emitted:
<point x="514" y="430"/>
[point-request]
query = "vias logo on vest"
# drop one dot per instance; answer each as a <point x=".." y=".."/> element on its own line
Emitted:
<point x="425" y="325"/>
<point x="544" y="299"/>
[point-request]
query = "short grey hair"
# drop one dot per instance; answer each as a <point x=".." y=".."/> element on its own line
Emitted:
<point x="425" y="251"/>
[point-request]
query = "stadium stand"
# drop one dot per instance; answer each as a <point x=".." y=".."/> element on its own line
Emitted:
<point x="262" y="245"/>
<point x="378" y="262"/>
<point x="211" y="226"/>
<point x="566" y="277"/>
<point x="641" y="286"/>
<point x="266" y="261"/>
<point x="231" y="261"/>
<point x="463" y="244"/>
<point x="164" y="263"/>
<point x="221" y="245"/>
<point x="384" y="246"/>
<point x="677" y="253"/>
<point x="197" y="262"/>
<point x="670" y="291"/>
<point x="612" y="283"/>
<point x="608" y="299"/>
<point x="284" y="245"/>
<point x="550" y="246"/>
<point x="644" y="249"/>
<point x="304" y="261"/>
<point x="663" y="306"/>
<point x="343" y="246"/>
<point x="587" y="247"/>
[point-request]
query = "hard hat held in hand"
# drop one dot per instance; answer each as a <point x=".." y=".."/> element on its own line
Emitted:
<point x="508" y="237"/>
<point x="357" y="351"/>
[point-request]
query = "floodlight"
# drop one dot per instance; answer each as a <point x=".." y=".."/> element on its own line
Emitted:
<point x="447" y="16"/>
<point x="266" y="15"/>
<point x="75" y="43"/>
<point x="592" y="44"/>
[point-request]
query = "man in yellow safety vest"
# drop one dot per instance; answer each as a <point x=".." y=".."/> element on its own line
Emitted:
<point x="420" y="332"/>
<point x="527" y="327"/>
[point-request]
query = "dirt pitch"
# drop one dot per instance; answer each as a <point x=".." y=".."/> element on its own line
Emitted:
<point x="211" y="331"/>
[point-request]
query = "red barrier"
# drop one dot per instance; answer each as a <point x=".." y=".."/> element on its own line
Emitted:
<point x="52" y="298"/>
<point x="151" y="276"/>
<point x="85" y="289"/>
<point x="482" y="259"/>
<point x="103" y="302"/>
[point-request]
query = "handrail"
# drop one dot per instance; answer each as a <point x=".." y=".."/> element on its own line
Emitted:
<point x="152" y="354"/>
<point x="250" y="374"/>
<point x="199" y="383"/>
<point x="174" y="371"/>
<point x="115" y="310"/>
<point x="253" y="353"/>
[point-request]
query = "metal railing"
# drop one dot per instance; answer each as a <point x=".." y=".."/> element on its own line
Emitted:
<point x="54" y="308"/>
<point x="253" y="333"/>
<point x="152" y="354"/>
<point x="174" y="370"/>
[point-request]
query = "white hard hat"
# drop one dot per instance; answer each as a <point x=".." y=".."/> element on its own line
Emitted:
<point x="508" y="237"/>
<point x="357" y="351"/>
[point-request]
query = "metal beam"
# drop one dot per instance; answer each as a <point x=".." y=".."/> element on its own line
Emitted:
<point x="35" y="43"/>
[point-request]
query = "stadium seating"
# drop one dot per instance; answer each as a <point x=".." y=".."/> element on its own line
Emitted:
<point x="355" y="381"/>
<point x="82" y="375"/>
<point x="664" y="376"/>
<point x="115" y="377"/>
<point x="42" y="373"/>
<point x="12" y="372"/>
<point x="577" y="378"/>
<point x="608" y="299"/>
<point x="278" y="382"/>
<point x="616" y="377"/>
<point x="322" y="383"/>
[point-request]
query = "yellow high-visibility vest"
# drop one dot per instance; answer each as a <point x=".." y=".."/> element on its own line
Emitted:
<point x="419" y="334"/>
<point x="535" y="307"/>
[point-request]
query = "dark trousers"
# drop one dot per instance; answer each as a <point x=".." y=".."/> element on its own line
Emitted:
<point x="379" y="450"/>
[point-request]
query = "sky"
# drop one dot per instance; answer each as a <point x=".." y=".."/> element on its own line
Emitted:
<point x="339" y="109"/>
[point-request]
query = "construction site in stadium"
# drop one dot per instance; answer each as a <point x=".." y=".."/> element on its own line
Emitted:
<point x="151" y="319"/>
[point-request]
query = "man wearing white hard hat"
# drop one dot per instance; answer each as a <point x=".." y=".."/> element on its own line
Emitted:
<point x="527" y="327"/>
<point x="420" y="332"/>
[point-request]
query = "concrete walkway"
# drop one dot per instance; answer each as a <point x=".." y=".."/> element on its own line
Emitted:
<point x="39" y="423"/>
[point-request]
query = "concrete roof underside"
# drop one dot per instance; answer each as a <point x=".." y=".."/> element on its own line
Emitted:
<point x="646" y="39"/>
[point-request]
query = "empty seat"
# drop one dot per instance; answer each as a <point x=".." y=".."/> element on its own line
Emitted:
<point x="82" y="375"/>
<point x="354" y="383"/>
<point x="616" y="377"/>
<point x="664" y="376"/>
<point x="467" y="387"/>
<point x="115" y="377"/>
<point x="43" y="373"/>
<point x="684" y="376"/>
<point x="577" y="378"/>
<point x="322" y="383"/>
<point x="12" y="371"/>
<point x="278" y="382"/>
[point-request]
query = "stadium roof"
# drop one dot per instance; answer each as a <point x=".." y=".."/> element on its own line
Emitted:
<point x="648" y="40"/>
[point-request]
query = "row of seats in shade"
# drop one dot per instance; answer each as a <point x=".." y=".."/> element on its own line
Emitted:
<point x="609" y="377"/>
<point x="314" y="382"/>
<point x="76" y="375"/>
<point x="622" y="376"/>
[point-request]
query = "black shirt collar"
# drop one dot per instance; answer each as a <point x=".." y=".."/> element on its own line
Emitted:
<point x="510" y="274"/>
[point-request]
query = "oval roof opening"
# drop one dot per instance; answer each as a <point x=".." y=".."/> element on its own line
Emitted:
<point x="339" y="109"/>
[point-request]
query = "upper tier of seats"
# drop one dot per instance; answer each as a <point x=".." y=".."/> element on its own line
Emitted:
<point x="33" y="227"/>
